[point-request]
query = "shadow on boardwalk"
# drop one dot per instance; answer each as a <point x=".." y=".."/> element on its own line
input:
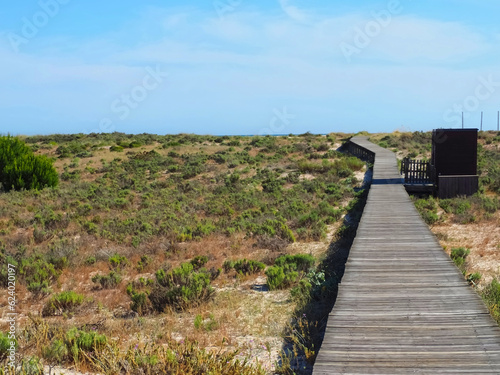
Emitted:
<point x="303" y="338"/>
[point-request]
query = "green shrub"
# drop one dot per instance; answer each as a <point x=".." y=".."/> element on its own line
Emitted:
<point x="140" y="302"/>
<point x="198" y="321"/>
<point x="21" y="169"/>
<point x="428" y="210"/>
<point x="36" y="272"/>
<point x="181" y="288"/>
<point x="56" y="352"/>
<point x="37" y="269"/>
<point x="491" y="294"/>
<point x="107" y="281"/>
<point x="459" y="253"/>
<point x="39" y="288"/>
<point x="135" y="144"/>
<point x="208" y="324"/>
<point x="116" y="148"/>
<point x="288" y="270"/>
<point x="118" y="261"/>
<point x="272" y="185"/>
<point x="199" y="261"/>
<point x="66" y="301"/>
<point x="446" y="205"/>
<point x="228" y="266"/>
<point x="278" y="278"/>
<point x="248" y="267"/>
<point x="143" y="263"/>
<point x="90" y="260"/>
<point x="458" y="256"/>
<point x="299" y="262"/>
<point x="461" y="206"/>
<point x="302" y="292"/>
<point x="5" y="345"/>
<point x="78" y="341"/>
<point x="429" y="217"/>
<point x="474" y="278"/>
<point x="490" y="205"/>
<point x="71" y="176"/>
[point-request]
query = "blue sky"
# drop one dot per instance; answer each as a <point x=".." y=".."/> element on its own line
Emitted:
<point x="247" y="66"/>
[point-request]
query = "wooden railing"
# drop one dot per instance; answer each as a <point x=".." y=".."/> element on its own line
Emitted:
<point x="416" y="171"/>
<point x="359" y="151"/>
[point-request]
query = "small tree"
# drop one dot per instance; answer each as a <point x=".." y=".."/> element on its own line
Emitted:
<point x="21" y="169"/>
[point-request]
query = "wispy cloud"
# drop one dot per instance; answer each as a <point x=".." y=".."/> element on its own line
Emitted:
<point x="294" y="12"/>
<point x="233" y="70"/>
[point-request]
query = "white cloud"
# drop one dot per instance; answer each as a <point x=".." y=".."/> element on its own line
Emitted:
<point x="251" y="61"/>
<point x="410" y="38"/>
<point x="294" y="12"/>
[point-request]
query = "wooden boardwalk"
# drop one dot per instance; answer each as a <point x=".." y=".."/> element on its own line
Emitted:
<point x="403" y="307"/>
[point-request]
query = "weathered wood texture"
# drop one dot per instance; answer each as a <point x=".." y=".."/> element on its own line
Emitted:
<point x="403" y="307"/>
<point x="416" y="171"/>
<point x="453" y="186"/>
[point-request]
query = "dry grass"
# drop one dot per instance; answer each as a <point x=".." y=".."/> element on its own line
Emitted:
<point x="246" y="318"/>
<point x="483" y="239"/>
<point x="244" y="314"/>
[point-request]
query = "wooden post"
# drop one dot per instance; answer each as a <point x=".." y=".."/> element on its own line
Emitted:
<point x="481" y="121"/>
<point x="498" y="121"/>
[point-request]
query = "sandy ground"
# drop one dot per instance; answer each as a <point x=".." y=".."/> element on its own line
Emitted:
<point x="483" y="240"/>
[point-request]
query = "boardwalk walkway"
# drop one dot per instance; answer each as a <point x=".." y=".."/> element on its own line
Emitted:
<point x="403" y="307"/>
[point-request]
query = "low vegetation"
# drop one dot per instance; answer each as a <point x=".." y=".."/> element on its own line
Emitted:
<point x="143" y="232"/>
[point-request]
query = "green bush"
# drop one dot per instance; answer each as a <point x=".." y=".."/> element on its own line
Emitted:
<point x="429" y="217"/>
<point x="302" y="292"/>
<point x="446" y="205"/>
<point x="272" y="185"/>
<point x="491" y="294"/>
<point x="198" y="321"/>
<point x="118" y="261"/>
<point x="143" y="263"/>
<point x="248" y="267"/>
<point x="90" y="260"/>
<point x="474" y="278"/>
<point x="490" y="205"/>
<point x="21" y="169"/>
<point x="39" y="288"/>
<point x="81" y="345"/>
<point x="5" y="341"/>
<point x="56" y="352"/>
<point x="181" y="288"/>
<point x="140" y="302"/>
<point x="288" y="270"/>
<point x="278" y="278"/>
<point x="428" y="210"/>
<point x="299" y="262"/>
<point x="461" y="206"/>
<point x="36" y="269"/>
<point x="458" y="256"/>
<point x="107" y="281"/>
<point x="228" y="266"/>
<point x="199" y="261"/>
<point x="62" y="302"/>
<point x="36" y="272"/>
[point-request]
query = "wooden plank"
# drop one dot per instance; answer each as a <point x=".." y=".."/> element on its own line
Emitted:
<point x="402" y="306"/>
